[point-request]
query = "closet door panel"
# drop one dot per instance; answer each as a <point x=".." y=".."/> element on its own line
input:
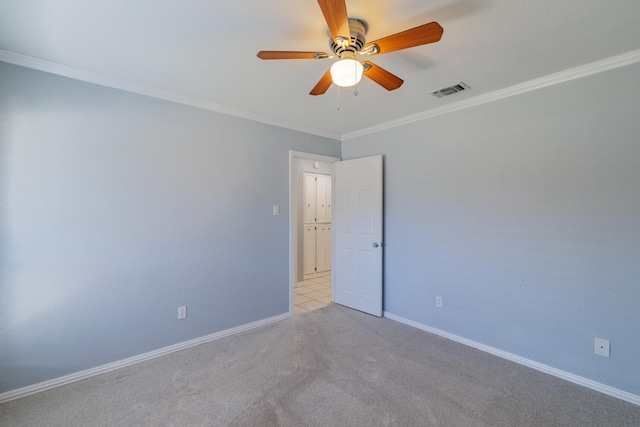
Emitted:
<point x="323" y="247"/>
<point x="327" y="248"/>
<point x="328" y="199"/>
<point x="310" y="197"/>
<point x="310" y="253"/>
<point x="321" y="198"/>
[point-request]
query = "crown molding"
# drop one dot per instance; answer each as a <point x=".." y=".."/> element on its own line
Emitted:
<point x="102" y="80"/>
<point x="606" y="64"/>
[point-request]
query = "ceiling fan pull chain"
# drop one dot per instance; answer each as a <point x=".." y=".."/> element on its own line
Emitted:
<point x="339" y="107"/>
<point x="355" y="72"/>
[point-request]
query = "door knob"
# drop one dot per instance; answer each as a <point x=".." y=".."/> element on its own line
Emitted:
<point x="376" y="244"/>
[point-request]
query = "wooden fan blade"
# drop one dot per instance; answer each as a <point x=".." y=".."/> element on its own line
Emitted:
<point x="381" y="76"/>
<point x="279" y="54"/>
<point x="424" y="34"/>
<point x="323" y="85"/>
<point x="335" y="13"/>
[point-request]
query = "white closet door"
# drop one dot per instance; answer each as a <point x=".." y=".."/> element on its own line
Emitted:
<point x="310" y="197"/>
<point x="321" y="197"/>
<point x="329" y="247"/>
<point x="309" y="249"/>
<point x="323" y="247"/>
<point x="323" y="236"/>
<point x="328" y="198"/>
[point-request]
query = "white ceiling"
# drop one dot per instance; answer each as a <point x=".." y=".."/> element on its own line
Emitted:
<point x="203" y="52"/>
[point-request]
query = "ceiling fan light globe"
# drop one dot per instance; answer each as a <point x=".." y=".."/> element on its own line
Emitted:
<point x="346" y="72"/>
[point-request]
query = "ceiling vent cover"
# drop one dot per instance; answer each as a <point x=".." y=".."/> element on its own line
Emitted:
<point x="451" y="90"/>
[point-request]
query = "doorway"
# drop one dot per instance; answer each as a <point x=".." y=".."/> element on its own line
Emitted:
<point x="314" y="289"/>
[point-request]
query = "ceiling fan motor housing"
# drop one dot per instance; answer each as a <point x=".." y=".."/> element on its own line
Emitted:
<point x="358" y="30"/>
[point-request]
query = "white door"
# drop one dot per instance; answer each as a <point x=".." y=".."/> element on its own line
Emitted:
<point x="357" y="225"/>
<point x="323" y="193"/>
<point x="323" y="247"/>
<point x="309" y="249"/>
<point x="329" y="199"/>
<point x="310" y="198"/>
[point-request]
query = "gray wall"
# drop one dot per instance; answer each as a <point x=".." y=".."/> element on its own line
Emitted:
<point x="524" y="215"/>
<point x="116" y="208"/>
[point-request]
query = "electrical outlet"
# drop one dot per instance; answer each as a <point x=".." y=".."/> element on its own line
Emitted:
<point x="439" y="302"/>
<point x="601" y="347"/>
<point x="182" y="312"/>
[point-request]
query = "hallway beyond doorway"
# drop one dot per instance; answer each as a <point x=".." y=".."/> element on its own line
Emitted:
<point x="312" y="294"/>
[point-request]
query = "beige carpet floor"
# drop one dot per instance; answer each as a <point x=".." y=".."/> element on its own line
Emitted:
<point x="329" y="367"/>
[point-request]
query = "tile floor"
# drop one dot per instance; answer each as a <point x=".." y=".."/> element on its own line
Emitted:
<point x="311" y="294"/>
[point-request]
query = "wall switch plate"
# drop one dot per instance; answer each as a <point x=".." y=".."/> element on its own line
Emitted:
<point x="276" y="210"/>
<point x="601" y="347"/>
<point x="182" y="312"/>
<point x="439" y="302"/>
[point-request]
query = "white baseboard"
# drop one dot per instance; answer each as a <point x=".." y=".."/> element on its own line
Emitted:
<point x="88" y="373"/>
<point x="602" y="388"/>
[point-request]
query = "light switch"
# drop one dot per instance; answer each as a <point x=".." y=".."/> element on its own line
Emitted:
<point x="276" y="210"/>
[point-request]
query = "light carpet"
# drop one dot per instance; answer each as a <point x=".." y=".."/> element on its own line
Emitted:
<point x="330" y="367"/>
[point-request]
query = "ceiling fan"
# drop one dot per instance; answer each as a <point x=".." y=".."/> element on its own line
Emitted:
<point x="348" y="41"/>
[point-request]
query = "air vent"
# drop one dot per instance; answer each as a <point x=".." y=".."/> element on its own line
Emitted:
<point x="451" y="90"/>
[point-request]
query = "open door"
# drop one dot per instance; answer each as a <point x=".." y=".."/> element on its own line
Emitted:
<point x="357" y="224"/>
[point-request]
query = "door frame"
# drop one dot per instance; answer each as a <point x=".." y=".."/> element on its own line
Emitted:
<point x="293" y="216"/>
